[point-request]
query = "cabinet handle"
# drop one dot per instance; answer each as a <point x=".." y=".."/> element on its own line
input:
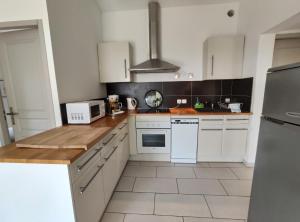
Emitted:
<point x="105" y="143"/>
<point x="125" y="124"/>
<point x="126" y="134"/>
<point x="212" y="64"/>
<point x="125" y="68"/>
<point x="236" y="129"/>
<point x="80" y="167"/>
<point x="212" y="119"/>
<point x="211" y="129"/>
<point x="82" y="189"/>
<point x="236" y="119"/>
<point x="114" y="149"/>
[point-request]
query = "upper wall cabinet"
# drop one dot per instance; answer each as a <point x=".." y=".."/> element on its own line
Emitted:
<point x="223" y="57"/>
<point x="114" y="62"/>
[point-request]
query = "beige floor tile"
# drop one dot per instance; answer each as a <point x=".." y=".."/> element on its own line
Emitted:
<point x="243" y="173"/>
<point x="127" y="202"/>
<point x="193" y="219"/>
<point x="175" y="172"/>
<point x="139" y="171"/>
<point x="156" y="163"/>
<point x="228" y="206"/>
<point x="237" y="187"/>
<point x="200" y="186"/>
<point x="214" y="173"/>
<point x="125" y="184"/>
<point x="221" y="164"/>
<point x="113" y="217"/>
<point x="181" y="205"/>
<point x="151" y="218"/>
<point x="199" y="164"/>
<point x="133" y="163"/>
<point x="156" y="185"/>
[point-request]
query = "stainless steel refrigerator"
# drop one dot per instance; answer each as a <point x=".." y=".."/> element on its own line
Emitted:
<point x="275" y="193"/>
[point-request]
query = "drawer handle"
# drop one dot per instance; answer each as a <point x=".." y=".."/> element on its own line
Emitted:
<point x="236" y="129"/>
<point x="79" y="168"/>
<point x="236" y="119"/>
<point x="126" y="134"/>
<point x="212" y="120"/>
<point x="125" y="124"/>
<point x="211" y="129"/>
<point x="112" y="136"/>
<point x="114" y="149"/>
<point x="82" y="189"/>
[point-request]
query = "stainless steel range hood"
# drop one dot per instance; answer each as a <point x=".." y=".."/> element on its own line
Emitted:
<point x="154" y="64"/>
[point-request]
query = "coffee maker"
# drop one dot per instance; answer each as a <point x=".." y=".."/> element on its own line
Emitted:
<point x="114" y="106"/>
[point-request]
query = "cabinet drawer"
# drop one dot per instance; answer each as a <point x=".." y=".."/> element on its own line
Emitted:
<point x="237" y="126"/>
<point x="211" y="120"/>
<point x="91" y="157"/>
<point x="237" y="120"/>
<point x="89" y="195"/>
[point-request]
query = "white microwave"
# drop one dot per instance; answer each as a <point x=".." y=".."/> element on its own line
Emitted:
<point x="85" y="112"/>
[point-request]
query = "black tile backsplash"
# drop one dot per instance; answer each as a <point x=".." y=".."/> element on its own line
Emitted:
<point x="209" y="91"/>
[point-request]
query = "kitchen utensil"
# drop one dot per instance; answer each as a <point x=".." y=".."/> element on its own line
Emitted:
<point x="131" y="103"/>
<point x="153" y="98"/>
<point x="198" y="104"/>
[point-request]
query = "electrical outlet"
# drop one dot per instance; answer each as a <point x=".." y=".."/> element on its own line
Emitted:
<point x="184" y="101"/>
<point x="179" y="101"/>
<point x="227" y="100"/>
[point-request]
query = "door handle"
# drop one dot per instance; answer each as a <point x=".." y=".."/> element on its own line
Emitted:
<point x="212" y="64"/>
<point x="125" y="67"/>
<point x="12" y="115"/>
<point x="82" y="189"/>
<point x="293" y="114"/>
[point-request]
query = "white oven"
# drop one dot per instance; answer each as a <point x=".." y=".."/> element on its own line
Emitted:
<point x="153" y="137"/>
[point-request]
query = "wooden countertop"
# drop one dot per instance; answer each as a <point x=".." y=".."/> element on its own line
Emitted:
<point x="14" y="154"/>
<point x="189" y="111"/>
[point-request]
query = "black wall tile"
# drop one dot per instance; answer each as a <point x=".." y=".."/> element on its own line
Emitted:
<point x="206" y="87"/>
<point x="242" y="87"/>
<point x="227" y="87"/>
<point x="177" y="88"/>
<point x="210" y="91"/>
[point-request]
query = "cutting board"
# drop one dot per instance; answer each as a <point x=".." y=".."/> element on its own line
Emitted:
<point x="66" y="137"/>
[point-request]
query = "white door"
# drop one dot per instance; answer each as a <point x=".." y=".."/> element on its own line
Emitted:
<point x="210" y="143"/>
<point x="27" y="82"/>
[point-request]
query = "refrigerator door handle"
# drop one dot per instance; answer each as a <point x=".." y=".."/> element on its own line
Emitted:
<point x="293" y="114"/>
<point x="276" y="121"/>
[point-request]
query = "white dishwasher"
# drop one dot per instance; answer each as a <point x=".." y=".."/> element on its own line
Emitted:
<point x="184" y="140"/>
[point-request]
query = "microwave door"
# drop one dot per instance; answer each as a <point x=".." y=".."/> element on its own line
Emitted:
<point x="94" y="112"/>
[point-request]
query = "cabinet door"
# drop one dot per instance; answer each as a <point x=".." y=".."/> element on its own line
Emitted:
<point x="210" y="144"/>
<point x="114" y="62"/>
<point x="234" y="144"/>
<point x="224" y="57"/>
<point x="110" y="172"/>
<point x="89" y="196"/>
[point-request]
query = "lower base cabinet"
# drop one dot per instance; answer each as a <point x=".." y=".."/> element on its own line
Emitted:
<point x="210" y="143"/>
<point x="88" y="195"/>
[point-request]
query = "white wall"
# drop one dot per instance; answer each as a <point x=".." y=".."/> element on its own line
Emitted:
<point x="75" y="32"/>
<point x="183" y="31"/>
<point x="18" y="10"/>
<point x="286" y="51"/>
<point x="256" y="18"/>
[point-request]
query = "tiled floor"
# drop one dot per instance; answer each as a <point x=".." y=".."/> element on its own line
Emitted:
<point x="168" y="192"/>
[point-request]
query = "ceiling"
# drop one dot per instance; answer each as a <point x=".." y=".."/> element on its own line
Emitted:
<point x="125" y="5"/>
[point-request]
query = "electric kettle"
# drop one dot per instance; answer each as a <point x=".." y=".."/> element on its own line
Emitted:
<point x="131" y="103"/>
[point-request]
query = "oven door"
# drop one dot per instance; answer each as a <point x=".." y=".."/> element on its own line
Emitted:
<point x="153" y="140"/>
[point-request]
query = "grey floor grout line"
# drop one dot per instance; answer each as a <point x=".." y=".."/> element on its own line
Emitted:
<point x="208" y="206"/>
<point x="234" y="173"/>
<point x="220" y="182"/>
<point x="133" y="184"/>
<point x="177" y="186"/>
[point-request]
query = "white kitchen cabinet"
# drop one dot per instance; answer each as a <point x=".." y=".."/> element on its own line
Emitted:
<point x="222" y="138"/>
<point x="114" y="62"/>
<point x="110" y="172"/>
<point x="123" y="152"/>
<point x="223" y="57"/>
<point x="210" y="143"/>
<point x="88" y="195"/>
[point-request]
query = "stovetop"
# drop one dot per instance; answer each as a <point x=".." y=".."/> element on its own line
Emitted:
<point x="153" y="111"/>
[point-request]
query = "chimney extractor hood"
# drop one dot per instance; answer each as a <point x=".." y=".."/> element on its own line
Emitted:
<point x="154" y="64"/>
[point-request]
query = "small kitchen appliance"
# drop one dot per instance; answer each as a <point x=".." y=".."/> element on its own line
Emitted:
<point x="114" y="106"/>
<point x="131" y="103"/>
<point x="235" y="107"/>
<point x="85" y="112"/>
